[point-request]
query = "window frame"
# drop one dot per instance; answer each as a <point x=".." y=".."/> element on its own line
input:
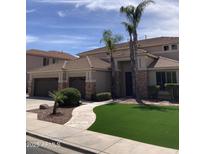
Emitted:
<point x="175" y="46"/>
<point x="166" y="46"/>
<point x="162" y="78"/>
<point x="45" y="61"/>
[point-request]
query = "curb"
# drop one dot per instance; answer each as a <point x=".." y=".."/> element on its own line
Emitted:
<point x="63" y="144"/>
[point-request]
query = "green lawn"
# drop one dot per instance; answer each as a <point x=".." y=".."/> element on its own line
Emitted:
<point x="149" y="124"/>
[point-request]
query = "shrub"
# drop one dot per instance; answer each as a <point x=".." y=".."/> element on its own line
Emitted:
<point x="72" y="96"/>
<point x="173" y="89"/>
<point x="103" y="96"/>
<point x="153" y="91"/>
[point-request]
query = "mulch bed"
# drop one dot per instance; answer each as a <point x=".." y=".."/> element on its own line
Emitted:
<point x="62" y="116"/>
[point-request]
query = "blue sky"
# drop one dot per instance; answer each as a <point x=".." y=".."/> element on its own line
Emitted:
<point x="76" y="25"/>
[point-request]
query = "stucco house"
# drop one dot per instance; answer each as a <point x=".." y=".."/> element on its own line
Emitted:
<point x="39" y="58"/>
<point x="158" y="62"/>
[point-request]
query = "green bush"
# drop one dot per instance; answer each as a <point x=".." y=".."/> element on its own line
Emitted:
<point x="72" y="97"/>
<point x="173" y="89"/>
<point x="103" y="96"/>
<point x="153" y="91"/>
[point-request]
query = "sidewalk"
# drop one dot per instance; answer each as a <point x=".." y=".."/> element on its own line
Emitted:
<point x="89" y="141"/>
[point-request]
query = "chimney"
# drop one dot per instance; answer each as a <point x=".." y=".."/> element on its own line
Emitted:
<point x="145" y="37"/>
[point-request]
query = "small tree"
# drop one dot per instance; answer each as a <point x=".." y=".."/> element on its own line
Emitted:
<point x="110" y="41"/>
<point x="57" y="97"/>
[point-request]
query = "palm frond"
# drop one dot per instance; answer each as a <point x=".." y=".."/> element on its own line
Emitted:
<point x="128" y="11"/>
<point x="140" y="9"/>
<point x="110" y="40"/>
<point x="129" y="27"/>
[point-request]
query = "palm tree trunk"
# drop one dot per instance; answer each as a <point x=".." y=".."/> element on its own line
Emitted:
<point x="135" y="69"/>
<point x="54" y="107"/>
<point x="113" y="76"/>
<point x="132" y="62"/>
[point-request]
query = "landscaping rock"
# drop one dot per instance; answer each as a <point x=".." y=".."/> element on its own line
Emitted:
<point x="43" y="106"/>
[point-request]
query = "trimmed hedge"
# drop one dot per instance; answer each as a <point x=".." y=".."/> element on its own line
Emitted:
<point x="103" y="96"/>
<point x="173" y="89"/>
<point x="153" y="91"/>
<point x="72" y="97"/>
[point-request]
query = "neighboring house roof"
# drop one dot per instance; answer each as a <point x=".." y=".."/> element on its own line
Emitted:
<point x="84" y="63"/>
<point x="163" y="62"/>
<point x="52" y="54"/>
<point x="122" y="53"/>
<point x="141" y="43"/>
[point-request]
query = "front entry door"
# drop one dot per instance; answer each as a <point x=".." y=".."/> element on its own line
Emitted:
<point x="128" y="83"/>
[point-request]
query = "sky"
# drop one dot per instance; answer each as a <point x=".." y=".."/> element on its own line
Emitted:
<point x="75" y="26"/>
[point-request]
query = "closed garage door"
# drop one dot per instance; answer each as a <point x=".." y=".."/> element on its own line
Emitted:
<point x="78" y="83"/>
<point x="43" y="85"/>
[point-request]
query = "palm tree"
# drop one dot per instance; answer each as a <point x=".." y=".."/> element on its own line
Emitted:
<point x="110" y="40"/>
<point x="129" y="28"/>
<point x="57" y="97"/>
<point x="134" y="15"/>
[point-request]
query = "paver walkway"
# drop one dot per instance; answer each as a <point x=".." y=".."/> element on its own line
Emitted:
<point x="91" y="142"/>
<point x="83" y="116"/>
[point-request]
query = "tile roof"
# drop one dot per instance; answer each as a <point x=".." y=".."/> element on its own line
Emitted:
<point x="84" y="63"/>
<point x="141" y="43"/>
<point x="52" y="54"/>
<point x="163" y="62"/>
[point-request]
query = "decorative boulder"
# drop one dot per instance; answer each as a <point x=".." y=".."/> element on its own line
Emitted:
<point x="43" y="106"/>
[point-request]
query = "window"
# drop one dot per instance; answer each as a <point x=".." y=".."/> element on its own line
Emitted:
<point x="54" y="60"/>
<point x="174" y="46"/>
<point x="166" y="48"/>
<point x="165" y="77"/>
<point x="45" y="61"/>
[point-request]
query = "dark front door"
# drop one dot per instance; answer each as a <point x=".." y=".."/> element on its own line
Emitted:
<point x="128" y="83"/>
<point x="78" y="83"/>
<point x="42" y="86"/>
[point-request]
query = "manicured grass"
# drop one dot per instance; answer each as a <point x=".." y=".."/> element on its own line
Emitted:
<point x="156" y="125"/>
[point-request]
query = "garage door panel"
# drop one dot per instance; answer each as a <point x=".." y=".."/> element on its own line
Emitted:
<point x="43" y="85"/>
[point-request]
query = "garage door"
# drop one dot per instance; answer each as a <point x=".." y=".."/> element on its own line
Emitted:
<point x="78" y="83"/>
<point x="43" y="85"/>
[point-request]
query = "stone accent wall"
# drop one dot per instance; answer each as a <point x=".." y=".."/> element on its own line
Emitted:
<point x="62" y="85"/>
<point x="30" y="88"/>
<point x="142" y="79"/>
<point x="90" y="89"/>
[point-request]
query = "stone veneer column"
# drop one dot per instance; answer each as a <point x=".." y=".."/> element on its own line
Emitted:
<point x="30" y="87"/>
<point x="90" y="89"/>
<point x="63" y="81"/>
<point x="142" y="80"/>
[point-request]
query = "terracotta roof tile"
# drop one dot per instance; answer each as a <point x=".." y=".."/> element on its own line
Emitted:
<point x="52" y="54"/>
<point x="163" y="62"/>
<point x="142" y="43"/>
<point x="77" y="64"/>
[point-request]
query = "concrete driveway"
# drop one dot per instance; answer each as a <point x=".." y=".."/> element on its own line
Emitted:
<point x="33" y="103"/>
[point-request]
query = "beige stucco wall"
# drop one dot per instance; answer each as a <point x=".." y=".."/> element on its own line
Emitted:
<point x="37" y="61"/>
<point x="153" y="49"/>
<point x="77" y="74"/>
<point x="102" y="79"/>
<point x="45" y="75"/>
<point x="152" y="75"/>
<point x="33" y="62"/>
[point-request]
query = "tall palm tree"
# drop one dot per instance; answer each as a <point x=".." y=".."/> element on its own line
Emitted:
<point x="130" y="28"/>
<point x="110" y="40"/>
<point x="134" y="15"/>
